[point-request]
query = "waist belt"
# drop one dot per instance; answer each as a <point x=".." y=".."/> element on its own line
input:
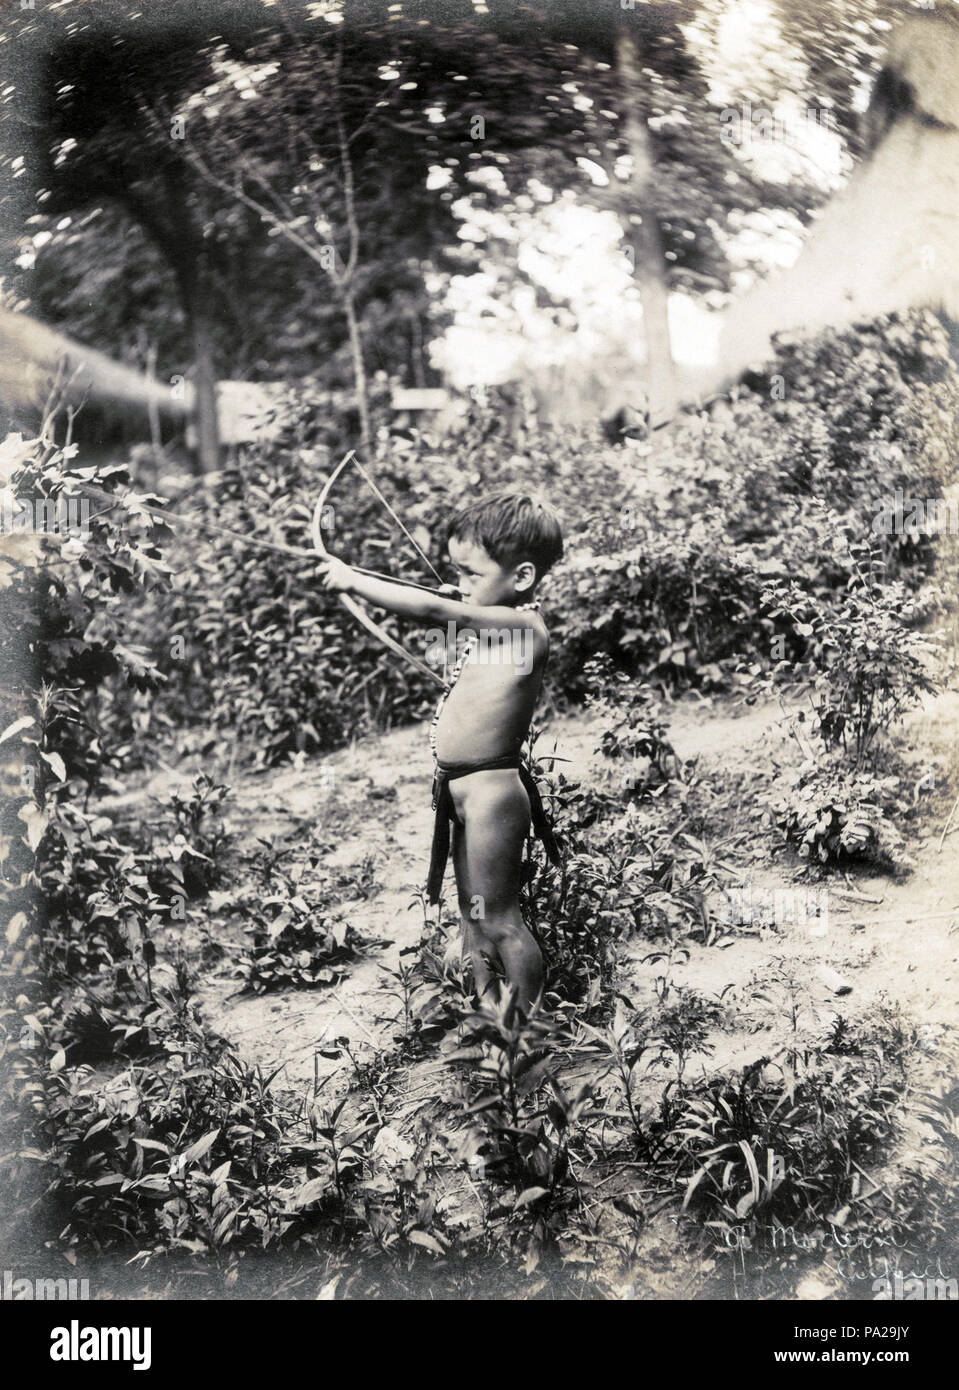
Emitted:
<point x="446" y="812"/>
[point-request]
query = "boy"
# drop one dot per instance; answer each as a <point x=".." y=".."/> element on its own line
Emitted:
<point x="501" y="547"/>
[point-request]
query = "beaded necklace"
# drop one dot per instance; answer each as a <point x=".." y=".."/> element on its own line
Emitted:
<point x="468" y="648"/>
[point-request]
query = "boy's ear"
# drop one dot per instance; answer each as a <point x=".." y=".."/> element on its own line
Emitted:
<point x="525" y="576"/>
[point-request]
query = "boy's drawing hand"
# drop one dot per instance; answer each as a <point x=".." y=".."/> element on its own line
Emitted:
<point x="449" y="590"/>
<point x="335" y="574"/>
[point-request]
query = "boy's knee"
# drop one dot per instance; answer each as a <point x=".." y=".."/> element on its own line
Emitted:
<point x="502" y="930"/>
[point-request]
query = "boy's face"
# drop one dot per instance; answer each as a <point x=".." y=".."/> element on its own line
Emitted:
<point x="482" y="580"/>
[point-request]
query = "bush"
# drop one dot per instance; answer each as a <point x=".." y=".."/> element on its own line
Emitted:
<point x="677" y="608"/>
<point x="833" y="816"/>
<point x="868" y="666"/>
<point x="636" y="728"/>
<point x="188" y="861"/>
<point x="66" y="637"/>
<point x="291" y="948"/>
<point x="669" y="583"/>
<point x="252" y="645"/>
<point x="775" y="1147"/>
<point x="297" y="939"/>
<point x="522" y="1123"/>
<point x="188" y="1153"/>
<point x="67" y="631"/>
<point x="98" y="900"/>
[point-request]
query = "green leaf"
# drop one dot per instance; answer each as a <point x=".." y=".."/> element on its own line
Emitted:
<point x="426" y="1241"/>
<point x="201" y="1147"/>
<point x="57" y="764"/>
<point x="16" y="726"/>
<point x="312" y="1191"/>
<point x="532" y="1194"/>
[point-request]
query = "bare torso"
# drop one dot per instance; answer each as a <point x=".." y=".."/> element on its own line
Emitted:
<point x="487" y="714"/>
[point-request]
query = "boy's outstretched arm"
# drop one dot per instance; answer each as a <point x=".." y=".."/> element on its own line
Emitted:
<point x="438" y="607"/>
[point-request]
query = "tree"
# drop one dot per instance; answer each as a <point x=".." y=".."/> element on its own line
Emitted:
<point x="294" y="171"/>
<point x="249" y="145"/>
<point x="651" y="267"/>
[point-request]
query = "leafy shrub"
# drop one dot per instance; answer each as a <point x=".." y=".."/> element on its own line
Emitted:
<point x="609" y="891"/>
<point x="522" y="1121"/>
<point x="767" y="1146"/>
<point x="76" y="898"/>
<point x="434" y="991"/>
<point x="296" y="944"/>
<point x="65" y="638"/>
<point x="191" y="858"/>
<point x="90" y="1029"/>
<point x="99" y="902"/>
<point x="832" y="815"/>
<point x="669" y="581"/>
<point x="577" y="923"/>
<point x="882" y="1030"/>
<point x="186" y="1154"/>
<point x="637" y="1041"/>
<point x="871" y="665"/>
<point x="252" y="646"/>
<point x="683" y="1026"/>
<point x="676" y="607"/>
<point x="572" y="910"/>
<point x="881" y="398"/>
<point x="635" y="728"/>
<point x="65" y="601"/>
<point x="626" y="872"/>
<point x="866" y="667"/>
<point x="857" y="415"/>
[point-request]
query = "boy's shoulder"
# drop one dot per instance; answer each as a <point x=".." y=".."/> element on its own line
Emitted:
<point x="501" y="626"/>
<point x="533" y="618"/>
<point x="500" y="615"/>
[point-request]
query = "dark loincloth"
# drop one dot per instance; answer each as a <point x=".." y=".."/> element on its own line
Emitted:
<point x="446" y="812"/>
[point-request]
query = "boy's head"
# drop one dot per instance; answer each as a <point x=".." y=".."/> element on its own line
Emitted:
<point x="502" y="546"/>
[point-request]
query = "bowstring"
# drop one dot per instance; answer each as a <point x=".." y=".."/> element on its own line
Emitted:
<point x="383" y="502"/>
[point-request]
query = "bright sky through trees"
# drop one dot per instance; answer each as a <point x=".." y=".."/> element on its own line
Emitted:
<point x="576" y="251"/>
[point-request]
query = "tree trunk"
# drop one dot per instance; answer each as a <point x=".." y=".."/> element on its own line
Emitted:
<point x="359" y="366"/>
<point x="651" y="269"/>
<point x="180" y="240"/>
<point x="205" y="396"/>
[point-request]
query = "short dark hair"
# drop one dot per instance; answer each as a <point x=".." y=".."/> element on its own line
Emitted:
<point x="511" y="526"/>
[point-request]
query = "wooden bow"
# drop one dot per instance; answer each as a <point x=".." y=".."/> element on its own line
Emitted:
<point x="349" y="603"/>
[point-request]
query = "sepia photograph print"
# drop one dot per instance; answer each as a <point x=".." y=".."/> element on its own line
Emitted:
<point x="479" y="666"/>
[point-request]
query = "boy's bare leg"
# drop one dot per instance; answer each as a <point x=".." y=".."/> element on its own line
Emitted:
<point x="475" y="945"/>
<point x="495" y="810"/>
<point x="482" y="954"/>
